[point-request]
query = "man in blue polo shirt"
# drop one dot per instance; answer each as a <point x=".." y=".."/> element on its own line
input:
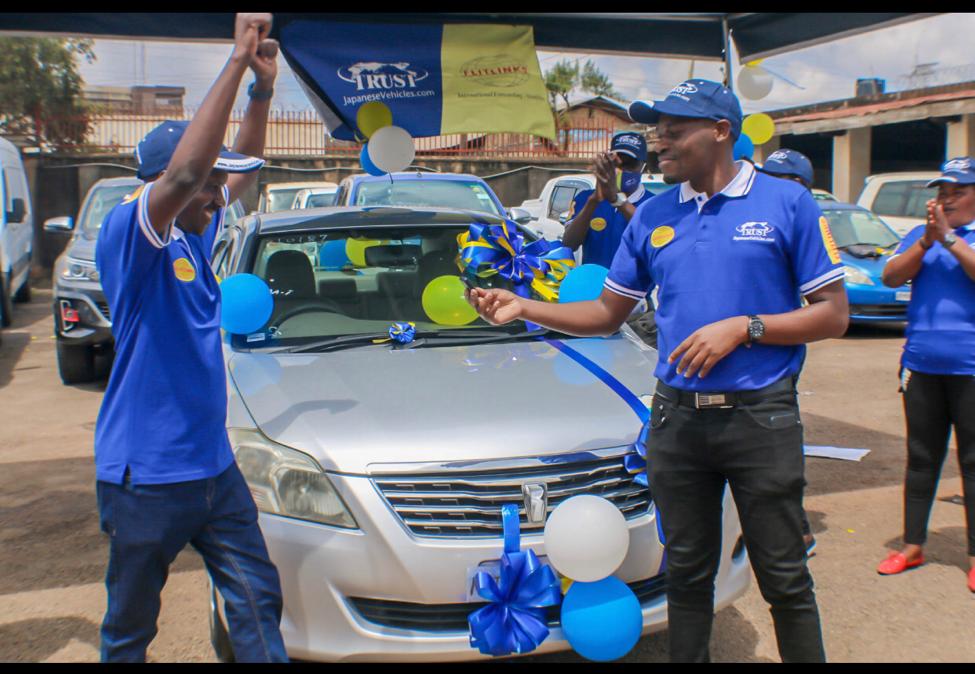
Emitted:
<point x="731" y="251"/>
<point x="166" y="474"/>
<point x="791" y="165"/>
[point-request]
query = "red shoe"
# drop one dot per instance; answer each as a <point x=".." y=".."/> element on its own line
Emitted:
<point x="971" y="579"/>
<point x="896" y="562"/>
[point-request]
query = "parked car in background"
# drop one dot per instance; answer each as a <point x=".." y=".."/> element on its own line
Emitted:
<point x="900" y="199"/>
<point x="16" y="231"/>
<point x="823" y="195"/>
<point x="82" y="322"/>
<point x="314" y="197"/>
<point x="379" y="471"/>
<point x="866" y="243"/>
<point x="551" y="208"/>
<point x="281" y="196"/>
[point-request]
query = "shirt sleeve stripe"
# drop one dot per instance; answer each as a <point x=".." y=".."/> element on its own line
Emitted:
<point x="143" y="218"/>
<point x="829" y="277"/>
<point x="625" y="292"/>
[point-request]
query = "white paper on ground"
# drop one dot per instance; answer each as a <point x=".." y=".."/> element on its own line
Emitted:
<point x="843" y="453"/>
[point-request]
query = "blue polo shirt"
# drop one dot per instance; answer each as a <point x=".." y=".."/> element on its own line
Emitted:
<point x="941" y="315"/>
<point x="164" y="412"/>
<point x="606" y="226"/>
<point x="754" y="248"/>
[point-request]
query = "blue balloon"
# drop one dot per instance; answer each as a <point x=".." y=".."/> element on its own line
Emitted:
<point x="367" y="164"/>
<point x="332" y="255"/>
<point x="602" y="620"/>
<point x="744" y="147"/>
<point x="245" y="304"/>
<point x="583" y="283"/>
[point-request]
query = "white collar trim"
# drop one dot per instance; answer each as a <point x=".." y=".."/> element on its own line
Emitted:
<point x="637" y="195"/>
<point x="739" y="186"/>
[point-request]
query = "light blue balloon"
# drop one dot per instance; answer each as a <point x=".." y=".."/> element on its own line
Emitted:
<point x="601" y="620"/>
<point x="367" y="164"/>
<point x="744" y="147"/>
<point x="245" y="304"/>
<point x="332" y="255"/>
<point x="583" y="283"/>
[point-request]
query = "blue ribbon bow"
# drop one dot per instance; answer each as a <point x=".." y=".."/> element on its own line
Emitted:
<point x="514" y="621"/>
<point x="635" y="461"/>
<point x="402" y="332"/>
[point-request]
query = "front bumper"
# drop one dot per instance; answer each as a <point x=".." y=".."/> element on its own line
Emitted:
<point x="877" y="304"/>
<point x="94" y="326"/>
<point x="327" y="572"/>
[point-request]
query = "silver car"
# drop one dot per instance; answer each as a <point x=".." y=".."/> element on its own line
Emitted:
<point x="380" y="470"/>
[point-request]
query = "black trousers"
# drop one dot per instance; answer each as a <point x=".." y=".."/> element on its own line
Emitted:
<point x="932" y="404"/>
<point x="757" y="450"/>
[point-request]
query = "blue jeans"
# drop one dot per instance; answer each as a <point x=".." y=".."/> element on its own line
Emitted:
<point x="150" y="524"/>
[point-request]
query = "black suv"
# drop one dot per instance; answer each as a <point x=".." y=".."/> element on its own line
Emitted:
<point x="82" y="324"/>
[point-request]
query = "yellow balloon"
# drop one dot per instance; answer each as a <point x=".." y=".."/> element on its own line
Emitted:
<point x="372" y="116"/>
<point x="356" y="249"/>
<point x="444" y="303"/>
<point x="759" y="127"/>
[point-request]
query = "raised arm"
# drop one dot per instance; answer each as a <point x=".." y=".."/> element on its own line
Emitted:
<point x="197" y="151"/>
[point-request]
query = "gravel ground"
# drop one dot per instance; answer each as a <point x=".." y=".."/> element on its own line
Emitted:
<point x="53" y="555"/>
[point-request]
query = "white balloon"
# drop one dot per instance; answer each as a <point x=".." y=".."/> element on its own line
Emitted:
<point x="586" y="538"/>
<point x="754" y="82"/>
<point x="391" y="149"/>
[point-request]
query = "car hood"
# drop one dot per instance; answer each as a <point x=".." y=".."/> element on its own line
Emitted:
<point x="82" y="248"/>
<point x="360" y="407"/>
<point x="872" y="266"/>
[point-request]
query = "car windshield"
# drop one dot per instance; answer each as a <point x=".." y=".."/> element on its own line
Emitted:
<point x="850" y="227"/>
<point x="823" y="196"/>
<point x="281" y="200"/>
<point x="318" y="200"/>
<point x="462" y="194"/>
<point x="357" y="282"/>
<point x="100" y="201"/>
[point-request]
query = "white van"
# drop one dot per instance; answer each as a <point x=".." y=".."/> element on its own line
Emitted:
<point x="16" y="231"/>
<point x="900" y="199"/>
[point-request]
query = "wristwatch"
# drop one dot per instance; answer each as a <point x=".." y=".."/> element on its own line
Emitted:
<point x="259" y="95"/>
<point x="949" y="240"/>
<point x="756" y="329"/>
<point x="620" y="200"/>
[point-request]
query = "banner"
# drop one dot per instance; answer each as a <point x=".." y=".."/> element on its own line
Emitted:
<point x="436" y="79"/>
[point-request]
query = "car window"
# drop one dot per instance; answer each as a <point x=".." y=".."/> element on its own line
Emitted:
<point x="319" y="200"/>
<point x="281" y="200"/>
<point x="219" y="254"/>
<point x="850" y="226"/>
<point x="461" y="194"/>
<point x="903" y="198"/>
<point x="562" y="197"/>
<point x="232" y="214"/>
<point x="340" y="282"/>
<point x="99" y="202"/>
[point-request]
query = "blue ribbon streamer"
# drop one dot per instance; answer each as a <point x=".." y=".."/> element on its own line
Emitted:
<point x="514" y="621"/>
<point x="402" y="333"/>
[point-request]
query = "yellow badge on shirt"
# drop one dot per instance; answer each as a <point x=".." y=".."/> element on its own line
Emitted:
<point x="661" y="236"/>
<point x="597" y="224"/>
<point x="834" y="254"/>
<point x="184" y="270"/>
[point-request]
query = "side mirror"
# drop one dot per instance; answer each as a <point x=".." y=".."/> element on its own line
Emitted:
<point x="61" y="225"/>
<point x="520" y="215"/>
<point x="17" y="211"/>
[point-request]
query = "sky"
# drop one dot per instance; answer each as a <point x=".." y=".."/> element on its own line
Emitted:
<point x="825" y="72"/>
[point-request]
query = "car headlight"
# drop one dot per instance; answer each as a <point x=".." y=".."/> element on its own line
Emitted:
<point x="284" y="481"/>
<point x="857" y="276"/>
<point x="79" y="270"/>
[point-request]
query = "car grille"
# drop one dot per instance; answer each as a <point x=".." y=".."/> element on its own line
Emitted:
<point x="453" y="617"/>
<point x="468" y="504"/>
<point x="887" y="310"/>
<point x="103" y="308"/>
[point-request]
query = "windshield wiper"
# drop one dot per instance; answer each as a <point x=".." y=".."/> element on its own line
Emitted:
<point x="460" y="336"/>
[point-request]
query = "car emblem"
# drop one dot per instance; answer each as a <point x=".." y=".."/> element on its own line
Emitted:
<point x="536" y="501"/>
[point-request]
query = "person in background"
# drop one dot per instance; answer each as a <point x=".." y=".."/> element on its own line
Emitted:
<point x="938" y="362"/>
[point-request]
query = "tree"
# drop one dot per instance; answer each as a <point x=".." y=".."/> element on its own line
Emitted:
<point x="564" y="78"/>
<point x="40" y="90"/>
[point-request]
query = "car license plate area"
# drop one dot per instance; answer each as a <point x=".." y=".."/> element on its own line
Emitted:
<point x="493" y="568"/>
<point x="903" y="296"/>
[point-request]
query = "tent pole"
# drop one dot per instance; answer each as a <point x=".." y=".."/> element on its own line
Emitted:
<point x="726" y="33"/>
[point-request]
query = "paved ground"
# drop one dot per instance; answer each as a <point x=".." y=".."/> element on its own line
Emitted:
<point x="53" y="555"/>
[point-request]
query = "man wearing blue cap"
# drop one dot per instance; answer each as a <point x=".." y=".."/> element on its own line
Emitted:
<point x="166" y="473"/>
<point x="938" y="363"/>
<point x="731" y="252"/>
<point x="791" y="165"/>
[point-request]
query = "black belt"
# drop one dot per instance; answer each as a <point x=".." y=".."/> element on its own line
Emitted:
<point x="725" y="400"/>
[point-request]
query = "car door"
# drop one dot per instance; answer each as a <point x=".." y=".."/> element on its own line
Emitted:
<point x="19" y="230"/>
<point x="559" y="202"/>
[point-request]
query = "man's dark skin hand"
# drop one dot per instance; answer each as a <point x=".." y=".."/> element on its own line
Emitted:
<point x="604" y="167"/>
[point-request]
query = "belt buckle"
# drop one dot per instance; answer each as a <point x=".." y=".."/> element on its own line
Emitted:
<point x="710" y="400"/>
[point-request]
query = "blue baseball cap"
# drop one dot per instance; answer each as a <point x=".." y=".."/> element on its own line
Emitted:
<point x="701" y="99"/>
<point x="630" y="143"/>
<point x="789" y="163"/>
<point x="960" y="170"/>
<point x="155" y="150"/>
